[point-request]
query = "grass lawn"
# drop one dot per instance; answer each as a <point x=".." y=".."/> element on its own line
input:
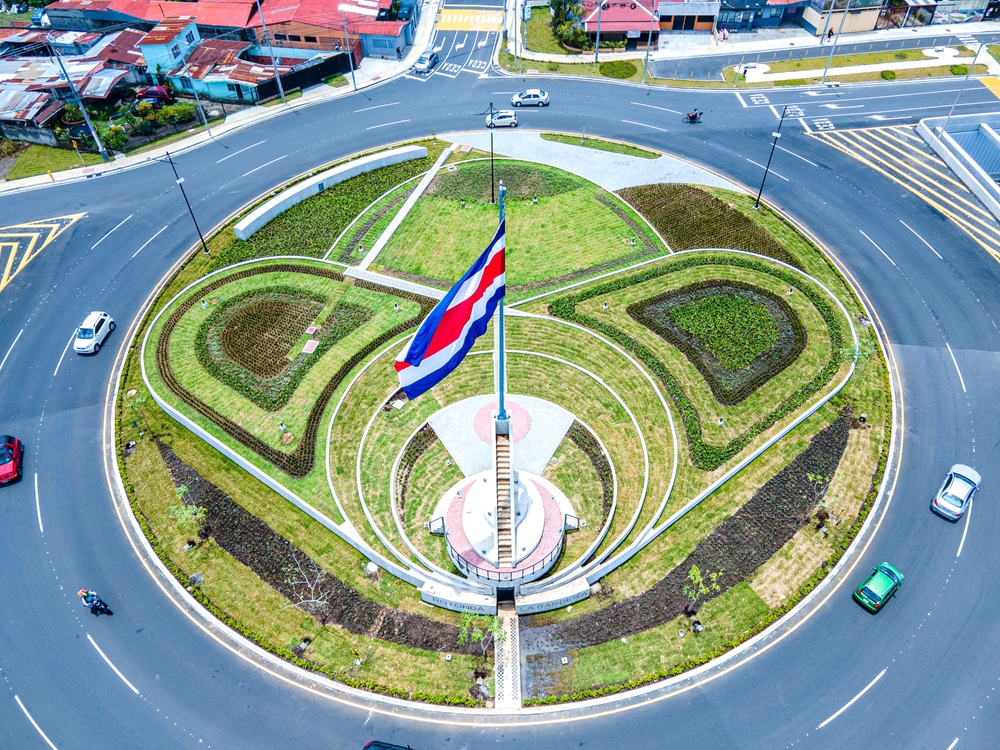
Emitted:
<point x="539" y="34"/>
<point x="431" y="477"/>
<point x="370" y="225"/>
<point x="934" y="72"/>
<point x="336" y="81"/>
<point x="843" y="61"/>
<point x="601" y="145"/>
<point x="576" y="476"/>
<point x="41" y="159"/>
<point x="440" y="238"/>
<point x="289" y="96"/>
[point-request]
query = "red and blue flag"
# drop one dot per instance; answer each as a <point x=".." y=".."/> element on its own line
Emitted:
<point x="447" y="334"/>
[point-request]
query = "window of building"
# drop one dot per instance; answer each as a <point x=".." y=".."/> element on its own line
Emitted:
<point x="311" y="39"/>
<point x="380" y="42"/>
<point x="294" y="38"/>
<point x="186" y="83"/>
<point x="280" y="37"/>
<point x="175" y="51"/>
<point x="189" y="37"/>
<point x="705" y="19"/>
<point x="231" y="86"/>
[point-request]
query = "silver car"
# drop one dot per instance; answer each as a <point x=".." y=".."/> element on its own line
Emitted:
<point x="957" y="492"/>
<point x="504" y="118"/>
<point x="426" y="62"/>
<point x="92" y="332"/>
<point x="530" y="98"/>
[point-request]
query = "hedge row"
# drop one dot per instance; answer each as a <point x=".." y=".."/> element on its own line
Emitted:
<point x="302" y="460"/>
<point x="584" y="440"/>
<point x="705" y="455"/>
<point x="424" y="439"/>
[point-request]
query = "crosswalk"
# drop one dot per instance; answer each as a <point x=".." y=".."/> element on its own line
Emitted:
<point x="464" y="19"/>
<point x="21" y="243"/>
<point x="900" y="154"/>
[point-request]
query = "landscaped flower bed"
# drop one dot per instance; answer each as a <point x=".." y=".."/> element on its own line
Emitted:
<point x="737" y="335"/>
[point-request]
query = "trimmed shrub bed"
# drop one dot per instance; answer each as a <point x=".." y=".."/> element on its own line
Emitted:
<point x="688" y="218"/>
<point x="739" y="336"/>
<point x="620" y="69"/>
<point x="423" y="440"/>
<point x="584" y="440"/>
<point x="705" y="455"/>
<point x="471" y="181"/>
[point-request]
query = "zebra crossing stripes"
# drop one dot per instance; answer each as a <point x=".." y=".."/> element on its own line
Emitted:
<point x="470" y="20"/>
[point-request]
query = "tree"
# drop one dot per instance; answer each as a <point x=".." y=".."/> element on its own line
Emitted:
<point x="859" y="354"/>
<point x="818" y="484"/>
<point x="308" y="582"/>
<point x="700" y="586"/>
<point x="186" y="514"/>
<point x="482" y="629"/>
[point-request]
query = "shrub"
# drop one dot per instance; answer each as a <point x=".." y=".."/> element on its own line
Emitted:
<point x="115" y="138"/>
<point x="552" y="67"/>
<point x="959" y="70"/>
<point x="72" y="113"/>
<point x="144" y="109"/>
<point x="620" y="69"/>
<point x="144" y="127"/>
<point x="889" y="75"/>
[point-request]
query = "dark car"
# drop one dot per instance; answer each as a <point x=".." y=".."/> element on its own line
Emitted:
<point x="11" y="458"/>
<point x="376" y="745"/>
<point x="159" y="93"/>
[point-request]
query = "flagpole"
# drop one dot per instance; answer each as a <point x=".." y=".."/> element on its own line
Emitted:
<point x="502" y="413"/>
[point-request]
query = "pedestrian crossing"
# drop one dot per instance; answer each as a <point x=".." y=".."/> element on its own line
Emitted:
<point x="463" y="19"/>
<point x="900" y="154"/>
<point x="20" y="243"/>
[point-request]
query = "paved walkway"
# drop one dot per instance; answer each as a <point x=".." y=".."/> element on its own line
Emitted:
<point x="609" y="170"/>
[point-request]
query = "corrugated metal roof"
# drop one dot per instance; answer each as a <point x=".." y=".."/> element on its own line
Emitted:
<point x="23" y="106"/>
<point x="166" y="31"/>
<point x="100" y="84"/>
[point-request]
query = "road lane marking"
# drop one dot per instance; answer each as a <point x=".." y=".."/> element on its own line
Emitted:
<point x="855" y="698"/>
<point x="11" y="348"/>
<point x="65" y="349"/>
<point x="237" y="153"/>
<point x="38" y="508"/>
<point x="769" y="170"/>
<point x="745" y="105"/>
<point x="103" y="656"/>
<point x="158" y="233"/>
<point x="953" y="743"/>
<point x="653" y="106"/>
<point x="961" y="544"/>
<point x="262" y="166"/>
<point x="35" y="724"/>
<point x="781" y="148"/>
<point x="644" y="125"/>
<point x="377" y="106"/>
<point x="802" y="122"/>
<point x="879" y="249"/>
<point x="842" y="106"/>
<point x="920" y="238"/>
<point x="109" y="233"/>
<point x="387" y="124"/>
<point x="960" y="378"/>
<point x="774" y="112"/>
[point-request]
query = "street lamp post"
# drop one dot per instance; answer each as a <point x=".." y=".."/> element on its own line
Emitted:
<point x="83" y="110"/>
<point x="649" y="40"/>
<point x="180" y="183"/>
<point x="274" y="65"/>
<point x="777" y="135"/>
<point x="597" y="45"/>
<point x="836" y="39"/>
<point x="493" y="199"/>
<point x="962" y="87"/>
<point x="347" y="45"/>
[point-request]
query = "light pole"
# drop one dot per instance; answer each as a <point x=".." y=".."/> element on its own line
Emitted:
<point x="597" y="45"/>
<point x="962" y="87"/>
<point x="777" y="135"/>
<point x="180" y="184"/>
<point x="836" y="39"/>
<point x="347" y="45"/>
<point x="649" y="40"/>
<point x="274" y="65"/>
<point x="79" y="103"/>
<point x="197" y="101"/>
<point x="493" y="199"/>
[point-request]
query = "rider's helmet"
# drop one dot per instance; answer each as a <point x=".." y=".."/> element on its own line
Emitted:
<point x="82" y="592"/>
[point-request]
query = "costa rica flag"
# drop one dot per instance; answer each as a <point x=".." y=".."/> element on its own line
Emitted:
<point x="447" y="334"/>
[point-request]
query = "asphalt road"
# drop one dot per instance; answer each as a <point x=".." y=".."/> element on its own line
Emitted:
<point x="934" y="649"/>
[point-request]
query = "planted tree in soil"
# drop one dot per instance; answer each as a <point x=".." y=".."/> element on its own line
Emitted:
<point x="308" y="589"/>
<point x="483" y="630"/>
<point x="700" y="586"/>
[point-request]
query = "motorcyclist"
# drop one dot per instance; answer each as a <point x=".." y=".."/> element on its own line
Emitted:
<point x="92" y="601"/>
<point x="694" y="115"/>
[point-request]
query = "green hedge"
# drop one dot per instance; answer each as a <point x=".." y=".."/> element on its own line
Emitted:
<point x="620" y="69"/>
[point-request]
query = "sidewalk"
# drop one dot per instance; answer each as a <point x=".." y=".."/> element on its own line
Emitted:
<point x="370" y="72"/>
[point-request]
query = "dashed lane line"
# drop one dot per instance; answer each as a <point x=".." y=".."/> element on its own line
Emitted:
<point x="11" y="348"/>
<point x="113" y="667"/>
<point x="955" y="361"/>
<point x="35" y="724"/>
<point x="852" y="701"/>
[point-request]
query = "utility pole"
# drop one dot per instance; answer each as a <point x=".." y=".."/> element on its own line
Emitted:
<point x="492" y="111"/>
<point x="83" y="110"/>
<point x="597" y="46"/>
<point x="347" y="44"/>
<point x="962" y="87"/>
<point x="180" y="184"/>
<point x="649" y="39"/>
<point x="777" y="135"/>
<point x="835" y="40"/>
<point x="502" y="412"/>
<point x="274" y="65"/>
<point x="197" y="101"/>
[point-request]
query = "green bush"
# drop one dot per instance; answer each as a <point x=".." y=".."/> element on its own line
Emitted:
<point x="72" y="113"/>
<point x="115" y="138"/>
<point x="620" y="69"/>
<point x="175" y="114"/>
<point x="144" y="127"/>
<point x="959" y="70"/>
<point x="889" y="75"/>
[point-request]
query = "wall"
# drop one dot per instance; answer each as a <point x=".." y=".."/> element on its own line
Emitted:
<point x="42" y="136"/>
<point x="857" y="20"/>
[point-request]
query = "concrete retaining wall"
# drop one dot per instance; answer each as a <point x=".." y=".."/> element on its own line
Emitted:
<point x="284" y="200"/>
<point x="980" y="183"/>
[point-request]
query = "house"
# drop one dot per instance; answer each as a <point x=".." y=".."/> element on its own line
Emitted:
<point x="33" y="42"/>
<point x="215" y="17"/>
<point x="623" y="21"/>
<point x="820" y="15"/>
<point x="695" y="16"/>
<point x="26" y="115"/>
<point x="168" y="43"/>
<point x="778" y="12"/>
<point x="214" y="69"/>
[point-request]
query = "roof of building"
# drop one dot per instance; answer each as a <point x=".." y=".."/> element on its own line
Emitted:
<point x="79" y="5"/>
<point x="225" y="13"/>
<point x="379" y="28"/>
<point x="166" y="31"/>
<point x="620" y="15"/>
<point x="27" y="106"/>
<point x="324" y="13"/>
<point x="209" y="54"/>
<point x="99" y="85"/>
<point x="58" y="38"/>
<point x="121" y="47"/>
<point x="41" y="73"/>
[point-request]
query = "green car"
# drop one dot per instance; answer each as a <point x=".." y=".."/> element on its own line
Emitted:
<point x="883" y="582"/>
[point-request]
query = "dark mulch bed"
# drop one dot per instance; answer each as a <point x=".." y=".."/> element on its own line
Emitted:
<point x="348" y="254"/>
<point x="728" y="386"/>
<point x="294" y="575"/>
<point x="737" y="548"/>
<point x="424" y="439"/>
<point x="584" y="440"/>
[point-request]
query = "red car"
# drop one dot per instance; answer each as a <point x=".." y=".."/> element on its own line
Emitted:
<point x="11" y="458"/>
<point x="160" y="93"/>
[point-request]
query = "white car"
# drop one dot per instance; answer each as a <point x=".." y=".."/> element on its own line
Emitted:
<point x="425" y="63"/>
<point x="504" y="118"/>
<point x="530" y="98"/>
<point x="92" y="332"/>
<point x="957" y="492"/>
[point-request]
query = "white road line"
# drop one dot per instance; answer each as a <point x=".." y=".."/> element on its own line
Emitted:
<point x="802" y="122"/>
<point x="920" y="238"/>
<point x="772" y="171"/>
<point x="745" y="105"/>
<point x="38" y="508"/>
<point x="377" y="106"/>
<point x="879" y="249"/>
<point x="237" y="153"/>
<point x="387" y="124"/>
<point x="644" y="125"/>
<point x="781" y="148"/>
<point x="65" y="349"/>
<point x="35" y="724"/>
<point x="262" y="166"/>
<point x="968" y="515"/>
<point x="94" y="644"/>
<point x="774" y="111"/>
<point x="11" y="348"/>
<point x="653" y="106"/>
<point x="109" y="233"/>
<point x="952" y="745"/>
<point x="852" y="700"/>
<point x="158" y="233"/>
<point x="960" y="378"/>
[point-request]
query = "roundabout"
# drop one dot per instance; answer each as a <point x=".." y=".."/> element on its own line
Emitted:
<point x="624" y="374"/>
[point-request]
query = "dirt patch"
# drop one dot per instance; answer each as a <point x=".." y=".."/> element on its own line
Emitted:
<point x="258" y="334"/>
<point x="294" y="575"/>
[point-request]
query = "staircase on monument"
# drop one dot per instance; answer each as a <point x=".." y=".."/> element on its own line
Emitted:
<point x="504" y="557"/>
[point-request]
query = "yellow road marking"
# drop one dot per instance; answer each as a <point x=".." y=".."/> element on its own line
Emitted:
<point x="28" y="240"/>
<point x="463" y="20"/>
<point x="993" y="84"/>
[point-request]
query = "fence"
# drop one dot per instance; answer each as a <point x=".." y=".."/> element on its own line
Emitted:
<point x="305" y="75"/>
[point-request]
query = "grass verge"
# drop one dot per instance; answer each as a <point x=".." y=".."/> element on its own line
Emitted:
<point x="601" y="144"/>
<point x="41" y="159"/>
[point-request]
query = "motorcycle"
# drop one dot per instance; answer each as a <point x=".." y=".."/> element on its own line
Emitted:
<point x="694" y="116"/>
